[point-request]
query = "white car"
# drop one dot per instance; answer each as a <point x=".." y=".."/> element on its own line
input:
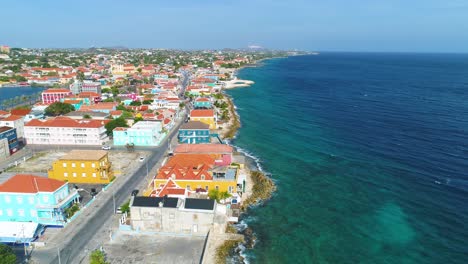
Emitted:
<point x="106" y="147"/>
<point x="142" y="159"/>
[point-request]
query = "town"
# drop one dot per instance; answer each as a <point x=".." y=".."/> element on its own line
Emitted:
<point x="123" y="155"/>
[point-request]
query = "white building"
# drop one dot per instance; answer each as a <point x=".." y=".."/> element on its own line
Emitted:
<point x="65" y="131"/>
<point x="15" y="122"/>
<point x="143" y="133"/>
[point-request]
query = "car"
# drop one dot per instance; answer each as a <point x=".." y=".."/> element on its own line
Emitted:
<point x="106" y="147"/>
<point x="93" y="192"/>
<point x="141" y="159"/>
<point x="135" y="192"/>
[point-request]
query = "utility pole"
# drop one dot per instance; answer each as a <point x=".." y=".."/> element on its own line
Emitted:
<point x="113" y="200"/>
<point x="58" y="254"/>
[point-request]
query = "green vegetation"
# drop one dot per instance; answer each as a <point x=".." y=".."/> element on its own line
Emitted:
<point x="87" y="116"/>
<point x="226" y="249"/>
<point x="235" y="122"/>
<point x="7" y="256"/>
<point x="98" y="257"/>
<point x="147" y="102"/>
<point x="125" y="207"/>
<point x="135" y="103"/>
<point x="262" y="189"/>
<point x="217" y="195"/>
<point x="137" y="119"/>
<point x="231" y="229"/>
<point x="218" y="96"/>
<point x="58" y="108"/>
<point x="70" y="211"/>
<point x="118" y="122"/>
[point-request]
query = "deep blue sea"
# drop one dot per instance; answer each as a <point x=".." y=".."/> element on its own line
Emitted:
<point x="369" y="152"/>
<point x="11" y="92"/>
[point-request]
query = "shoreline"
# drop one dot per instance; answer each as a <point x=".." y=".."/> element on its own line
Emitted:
<point x="262" y="186"/>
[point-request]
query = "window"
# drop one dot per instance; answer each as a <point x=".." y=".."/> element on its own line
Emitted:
<point x="203" y="177"/>
<point x="93" y="165"/>
<point x="230" y="189"/>
<point x="7" y="199"/>
<point x="45" y="198"/>
<point x="83" y="174"/>
<point x="94" y="174"/>
<point x="74" y="174"/>
<point x="64" y="165"/>
<point x="217" y="187"/>
<point x="33" y="213"/>
<point x="206" y="188"/>
<point x="73" y="165"/>
<point x="21" y="212"/>
<point x="82" y="165"/>
<point x="188" y="187"/>
<point x="65" y="174"/>
<point x="31" y="200"/>
<point x="19" y="199"/>
<point x="9" y="212"/>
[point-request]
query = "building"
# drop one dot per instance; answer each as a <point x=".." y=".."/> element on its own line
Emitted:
<point x="222" y="153"/>
<point x="54" y="95"/>
<point x="75" y="87"/>
<point x="76" y="103"/>
<point x="194" y="132"/>
<point x="200" y="172"/>
<point x="202" y="103"/>
<point x="105" y="107"/>
<point x="19" y="232"/>
<point x="4" y="49"/>
<point x="78" y="115"/>
<point x="142" y="133"/>
<point x="93" y="87"/>
<point x="83" y="166"/>
<point x="173" y="215"/>
<point x="206" y="116"/>
<point x="14" y="121"/>
<point x="9" y="133"/>
<point x="66" y="131"/>
<point x="30" y="198"/>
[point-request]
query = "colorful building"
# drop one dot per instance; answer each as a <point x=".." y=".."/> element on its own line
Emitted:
<point x="202" y="103"/>
<point x="196" y="172"/>
<point x="83" y="166"/>
<point x="66" y="131"/>
<point x="194" y="132"/>
<point x="15" y="121"/>
<point x="143" y="133"/>
<point x="50" y="96"/>
<point x="206" y="116"/>
<point x="9" y="134"/>
<point x="30" y="198"/>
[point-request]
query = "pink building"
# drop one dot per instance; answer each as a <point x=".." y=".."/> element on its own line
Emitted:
<point x="50" y="96"/>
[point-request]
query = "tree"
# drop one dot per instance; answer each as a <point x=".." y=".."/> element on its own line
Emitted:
<point x="181" y="105"/>
<point x="98" y="257"/>
<point x="58" y="108"/>
<point x="87" y="116"/>
<point x="137" y="119"/>
<point x="135" y="103"/>
<point x="215" y="194"/>
<point x="118" y="122"/>
<point x="6" y="255"/>
<point x="147" y="102"/>
<point x="80" y="76"/>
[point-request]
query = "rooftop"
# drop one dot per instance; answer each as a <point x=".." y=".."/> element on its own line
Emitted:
<point x="203" y="148"/>
<point x="63" y="121"/>
<point x="154" y="201"/>
<point x="202" y="113"/>
<point x="84" y="155"/>
<point x="27" y="183"/>
<point x="195" y="125"/>
<point x="5" y="128"/>
<point x="200" y="204"/>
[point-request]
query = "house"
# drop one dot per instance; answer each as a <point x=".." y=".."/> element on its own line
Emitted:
<point x="202" y="103"/>
<point x="19" y="232"/>
<point x="194" y="132"/>
<point x="196" y="172"/>
<point x="222" y="153"/>
<point x="15" y="121"/>
<point x="93" y="87"/>
<point x="76" y="103"/>
<point x="30" y="198"/>
<point x="105" y="107"/>
<point x="173" y="215"/>
<point x="205" y="116"/>
<point x="54" y="95"/>
<point x="9" y="134"/>
<point x="142" y="133"/>
<point x="83" y="166"/>
<point x="66" y="131"/>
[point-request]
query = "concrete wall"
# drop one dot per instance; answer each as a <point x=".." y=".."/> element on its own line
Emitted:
<point x="171" y="220"/>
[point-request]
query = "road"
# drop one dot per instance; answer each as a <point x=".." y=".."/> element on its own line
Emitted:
<point x="72" y="248"/>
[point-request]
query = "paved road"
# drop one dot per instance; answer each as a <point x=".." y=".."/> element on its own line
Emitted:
<point x="72" y="247"/>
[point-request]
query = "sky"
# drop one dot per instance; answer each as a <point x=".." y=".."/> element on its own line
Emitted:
<point x="312" y="25"/>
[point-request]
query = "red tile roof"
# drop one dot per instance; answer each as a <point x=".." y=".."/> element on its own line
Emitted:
<point x="57" y="91"/>
<point x="202" y="113"/>
<point x="20" y="112"/>
<point x="11" y="118"/>
<point x="202" y="99"/>
<point x="170" y="188"/>
<point x="203" y="148"/>
<point x="27" y="183"/>
<point x="63" y="121"/>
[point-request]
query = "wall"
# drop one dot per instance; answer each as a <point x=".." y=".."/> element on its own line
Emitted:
<point x="83" y="172"/>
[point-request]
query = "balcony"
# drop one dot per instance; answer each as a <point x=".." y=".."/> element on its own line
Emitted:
<point x="72" y="195"/>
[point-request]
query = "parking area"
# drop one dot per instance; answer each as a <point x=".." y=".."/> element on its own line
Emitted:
<point x="145" y="248"/>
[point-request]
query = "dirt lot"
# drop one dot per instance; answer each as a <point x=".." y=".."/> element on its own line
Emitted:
<point x="42" y="161"/>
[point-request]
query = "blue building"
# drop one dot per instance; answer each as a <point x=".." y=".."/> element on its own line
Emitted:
<point x="10" y="135"/>
<point x="30" y="198"/>
<point x="194" y="132"/>
<point x="142" y="133"/>
<point x="202" y="103"/>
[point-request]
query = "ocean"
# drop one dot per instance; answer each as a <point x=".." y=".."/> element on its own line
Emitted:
<point x="369" y="152"/>
<point x="12" y="92"/>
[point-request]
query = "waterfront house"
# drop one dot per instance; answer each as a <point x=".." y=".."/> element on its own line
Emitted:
<point x="206" y="116"/>
<point x="194" y="132"/>
<point x="83" y="166"/>
<point x="222" y="153"/>
<point x="50" y="96"/>
<point x="142" y="133"/>
<point x="15" y="121"/>
<point x="202" y="103"/>
<point x="30" y="198"/>
<point x="66" y="131"/>
<point x="8" y="134"/>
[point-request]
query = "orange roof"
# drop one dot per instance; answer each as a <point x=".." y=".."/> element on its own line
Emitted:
<point x="70" y="101"/>
<point x="20" y="112"/>
<point x="202" y="99"/>
<point x="4" y="112"/>
<point x="191" y="160"/>
<point x="27" y="183"/>
<point x="116" y="112"/>
<point x="203" y="148"/>
<point x="167" y="189"/>
<point x="88" y="94"/>
<point x="57" y="91"/>
<point x="11" y="118"/>
<point x="120" y="129"/>
<point x="202" y="113"/>
<point x="63" y="121"/>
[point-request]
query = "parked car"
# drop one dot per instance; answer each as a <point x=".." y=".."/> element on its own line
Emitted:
<point x="142" y="159"/>
<point x="106" y="147"/>
<point x="93" y="192"/>
<point x="135" y="192"/>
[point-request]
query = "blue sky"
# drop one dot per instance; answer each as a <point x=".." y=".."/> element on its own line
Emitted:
<point x="333" y="25"/>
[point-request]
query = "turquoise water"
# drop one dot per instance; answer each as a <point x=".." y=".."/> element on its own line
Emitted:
<point x="369" y="153"/>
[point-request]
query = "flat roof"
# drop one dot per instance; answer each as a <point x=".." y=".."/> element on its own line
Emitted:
<point x="143" y="201"/>
<point x="199" y="204"/>
<point x="78" y="154"/>
<point x="19" y="230"/>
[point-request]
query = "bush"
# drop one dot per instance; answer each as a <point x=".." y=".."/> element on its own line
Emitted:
<point x="98" y="257"/>
<point x="70" y="211"/>
<point x="7" y="256"/>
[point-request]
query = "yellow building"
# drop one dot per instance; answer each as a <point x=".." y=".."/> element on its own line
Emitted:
<point x="206" y="116"/>
<point x="194" y="172"/>
<point x="83" y="166"/>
